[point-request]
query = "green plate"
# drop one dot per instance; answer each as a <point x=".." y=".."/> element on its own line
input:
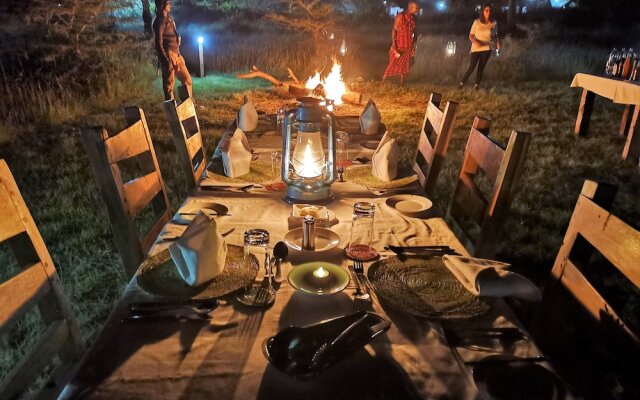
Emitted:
<point x="362" y="175"/>
<point x="303" y="279"/>
<point x="423" y="286"/>
<point x="158" y="275"/>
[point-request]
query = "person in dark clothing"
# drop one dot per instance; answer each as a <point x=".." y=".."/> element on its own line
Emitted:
<point x="167" y="42"/>
<point x="146" y="18"/>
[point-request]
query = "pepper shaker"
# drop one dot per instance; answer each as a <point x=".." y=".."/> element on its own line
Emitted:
<point x="309" y="233"/>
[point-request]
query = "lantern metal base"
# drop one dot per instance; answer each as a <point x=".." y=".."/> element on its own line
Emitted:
<point x="295" y="195"/>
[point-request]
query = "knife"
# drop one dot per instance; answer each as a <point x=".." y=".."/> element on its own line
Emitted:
<point x="421" y="250"/>
<point x="507" y="360"/>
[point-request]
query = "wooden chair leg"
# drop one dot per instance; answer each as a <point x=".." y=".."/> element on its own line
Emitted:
<point x="584" y="112"/>
<point x="632" y="146"/>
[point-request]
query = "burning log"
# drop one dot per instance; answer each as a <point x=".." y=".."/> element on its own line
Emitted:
<point x="332" y="87"/>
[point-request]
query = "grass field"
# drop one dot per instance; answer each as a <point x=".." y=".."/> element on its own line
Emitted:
<point x="527" y="89"/>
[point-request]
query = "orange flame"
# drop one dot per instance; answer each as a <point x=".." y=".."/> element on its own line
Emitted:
<point x="333" y="84"/>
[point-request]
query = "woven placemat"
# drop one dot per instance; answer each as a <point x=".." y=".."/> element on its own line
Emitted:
<point x="260" y="172"/>
<point x="362" y="175"/>
<point x="158" y="275"/>
<point x="424" y="287"/>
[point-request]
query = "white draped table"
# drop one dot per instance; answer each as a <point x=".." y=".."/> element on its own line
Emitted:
<point x="620" y="92"/>
<point x="223" y="359"/>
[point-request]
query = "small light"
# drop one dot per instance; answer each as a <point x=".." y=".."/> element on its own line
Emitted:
<point x="441" y="5"/>
<point x="343" y="47"/>
<point x="200" y="40"/>
<point x="320" y="273"/>
<point x="332" y="36"/>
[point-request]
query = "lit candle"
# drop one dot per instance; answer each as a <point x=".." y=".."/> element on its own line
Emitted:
<point x="320" y="273"/>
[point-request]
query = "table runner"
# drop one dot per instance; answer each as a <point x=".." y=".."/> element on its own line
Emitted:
<point x="223" y="358"/>
<point x="618" y="90"/>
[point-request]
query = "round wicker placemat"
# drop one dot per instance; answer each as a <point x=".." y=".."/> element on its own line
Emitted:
<point x="158" y="275"/>
<point x="424" y="287"/>
<point x="362" y="175"/>
<point x="260" y="172"/>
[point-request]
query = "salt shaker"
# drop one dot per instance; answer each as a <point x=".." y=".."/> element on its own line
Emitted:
<point x="309" y="233"/>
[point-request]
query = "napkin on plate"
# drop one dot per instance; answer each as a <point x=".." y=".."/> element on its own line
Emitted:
<point x="247" y="118"/>
<point x="491" y="278"/>
<point x="236" y="156"/>
<point x="384" y="163"/>
<point x="201" y="251"/>
<point x="370" y="119"/>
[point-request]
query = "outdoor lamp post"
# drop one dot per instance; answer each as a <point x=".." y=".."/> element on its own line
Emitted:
<point x="308" y="152"/>
<point x="451" y="48"/>
<point x="201" y="51"/>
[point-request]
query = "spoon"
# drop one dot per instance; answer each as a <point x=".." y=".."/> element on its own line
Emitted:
<point x="280" y="252"/>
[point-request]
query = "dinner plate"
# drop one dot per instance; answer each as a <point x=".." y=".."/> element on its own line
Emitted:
<point x="302" y="278"/>
<point x="208" y="207"/>
<point x="409" y="204"/>
<point x="423" y="286"/>
<point x="325" y="239"/>
<point x="370" y="144"/>
<point x="517" y="380"/>
<point x="158" y="275"/>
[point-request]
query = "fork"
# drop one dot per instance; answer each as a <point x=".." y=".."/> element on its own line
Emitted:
<point x="358" y="268"/>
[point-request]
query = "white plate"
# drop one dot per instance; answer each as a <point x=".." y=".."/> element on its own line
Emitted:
<point x="325" y="239"/>
<point x="409" y="204"/>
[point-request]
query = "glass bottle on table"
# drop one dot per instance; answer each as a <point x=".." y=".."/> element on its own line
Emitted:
<point x="610" y="62"/>
<point x="626" y="66"/>
<point x="342" y="154"/>
<point x="360" y="244"/>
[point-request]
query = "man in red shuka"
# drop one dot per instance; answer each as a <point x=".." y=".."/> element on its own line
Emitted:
<point x="403" y="40"/>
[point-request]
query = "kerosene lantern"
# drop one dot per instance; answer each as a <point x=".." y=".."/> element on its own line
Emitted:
<point x="308" y="152"/>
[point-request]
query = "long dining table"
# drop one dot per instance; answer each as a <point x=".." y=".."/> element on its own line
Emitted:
<point x="223" y="358"/>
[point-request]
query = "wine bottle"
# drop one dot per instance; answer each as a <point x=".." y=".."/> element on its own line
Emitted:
<point x="626" y="67"/>
<point x="612" y="58"/>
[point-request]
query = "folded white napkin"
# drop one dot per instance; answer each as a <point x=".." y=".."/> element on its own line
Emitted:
<point x="236" y="156"/>
<point x="491" y="278"/>
<point x="370" y="119"/>
<point x="201" y="251"/>
<point x="384" y="163"/>
<point x="247" y="118"/>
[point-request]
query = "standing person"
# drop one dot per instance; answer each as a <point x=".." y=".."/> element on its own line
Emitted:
<point x="167" y="43"/>
<point x="483" y="35"/>
<point x="146" y="18"/>
<point x="403" y="41"/>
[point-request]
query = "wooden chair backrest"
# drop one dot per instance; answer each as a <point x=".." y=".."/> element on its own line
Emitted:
<point x="36" y="285"/>
<point x="187" y="138"/>
<point x="592" y="226"/>
<point x="434" y="141"/>
<point x="125" y="200"/>
<point x="501" y="169"/>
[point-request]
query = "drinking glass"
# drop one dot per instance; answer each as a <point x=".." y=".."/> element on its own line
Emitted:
<point x="276" y="161"/>
<point x="342" y="153"/>
<point x="362" y="232"/>
<point x="256" y="247"/>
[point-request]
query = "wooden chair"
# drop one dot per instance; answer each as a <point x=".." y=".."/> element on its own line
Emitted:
<point x="477" y="217"/>
<point x="434" y="141"/>
<point x="36" y="285"/>
<point x="187" y="137"/>
<point x="576" y="294"/>
<point x="126" y="200"/>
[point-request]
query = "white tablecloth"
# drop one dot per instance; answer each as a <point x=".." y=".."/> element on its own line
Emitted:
<point x="222" y="359"/>
<point x="619" y="91"/>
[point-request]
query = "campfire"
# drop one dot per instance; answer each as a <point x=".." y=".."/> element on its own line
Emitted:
<point x="333" y="84"/>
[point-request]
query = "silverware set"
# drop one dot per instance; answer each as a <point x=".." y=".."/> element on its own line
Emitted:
<point x="191" y="310"/>
<point x="228" y="188"/>
<point x="360" y="280"/>
<point x="422" y="250"/>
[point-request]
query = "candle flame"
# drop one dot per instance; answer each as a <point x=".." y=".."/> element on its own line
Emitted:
<point x="321" y="273"/>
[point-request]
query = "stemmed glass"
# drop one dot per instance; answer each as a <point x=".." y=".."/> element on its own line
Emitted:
<point x="342" y="154"/>
<point x="256" y="246"/>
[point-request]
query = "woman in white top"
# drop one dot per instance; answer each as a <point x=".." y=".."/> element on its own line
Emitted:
<point x="483" y="36"/>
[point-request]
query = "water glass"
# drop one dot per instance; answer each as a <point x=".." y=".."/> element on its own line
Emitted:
<point x="342" y="153"/>
<point x="362" y="232"/>
<point x="256" y="247"/>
